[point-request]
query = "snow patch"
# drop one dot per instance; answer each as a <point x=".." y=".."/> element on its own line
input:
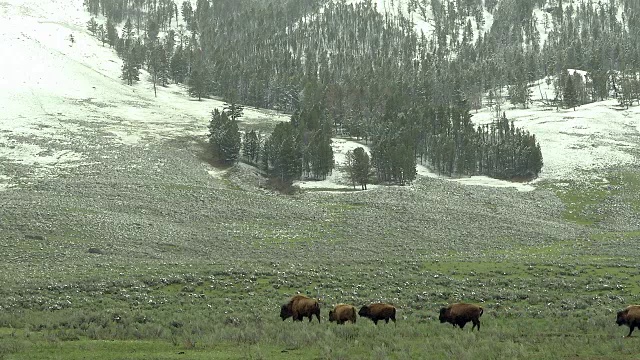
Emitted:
<point x="577" y="143"/>
<point x="338" y="179"/>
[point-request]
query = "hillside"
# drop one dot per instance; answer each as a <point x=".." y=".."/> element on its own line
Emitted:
<point x="120" y="240"/>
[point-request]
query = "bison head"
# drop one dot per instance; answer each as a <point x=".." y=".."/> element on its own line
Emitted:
<point x="331" y="316"/>
<point x="621" y="318"/>
<point x="364" y="311"/>
<point x="285" y="312"/>
<point x="443" y="315"/>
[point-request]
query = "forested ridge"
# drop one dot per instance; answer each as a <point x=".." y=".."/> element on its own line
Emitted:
<point x="350" y="69"/>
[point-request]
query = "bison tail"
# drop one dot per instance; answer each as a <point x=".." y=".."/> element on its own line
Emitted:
<point x="481" y="312"/>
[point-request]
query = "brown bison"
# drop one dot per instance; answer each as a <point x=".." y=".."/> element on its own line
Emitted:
<point x="630" y="317"/>
<point x="300" y="306"/>
<point x="342" y="313"/>
<point x="379" y="311"/>
<point x="460" y="314"/>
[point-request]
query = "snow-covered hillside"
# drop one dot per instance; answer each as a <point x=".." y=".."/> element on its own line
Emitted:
<point x="49" y="83"/>
<point x="576" y="143"/>
<point x="51" y="88"/>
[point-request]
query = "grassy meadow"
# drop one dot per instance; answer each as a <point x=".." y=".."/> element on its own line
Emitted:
<point x="187" y="298"/>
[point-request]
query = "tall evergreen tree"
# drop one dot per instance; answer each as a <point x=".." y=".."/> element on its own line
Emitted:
<point x="92" y="26"/>
<point x="198" y="78"/>
<point x="251" y="146"/>
<point x="158" y="66"/>
<point x="130" y="66"/>
<point x="569" y="91"/>
<point x="112" y="33"/>
<point x="224" y="137"/>
<point x="282" y="155"/>
<point x="179" y="67"/>
<point x="358" y="167"/>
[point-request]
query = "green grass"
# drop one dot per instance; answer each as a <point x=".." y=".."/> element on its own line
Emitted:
<point x="582" y="200"/>
<point x="570" y="337"/>
<point x="217" y="295"/>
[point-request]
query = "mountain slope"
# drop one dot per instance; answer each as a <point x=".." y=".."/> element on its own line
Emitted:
<point x="54" y="82"/>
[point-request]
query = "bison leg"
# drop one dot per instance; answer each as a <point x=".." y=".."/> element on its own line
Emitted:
<point x="386" y="321"/>
<point x="375" y="321"/>
<point x="462" y="324"/>
<point x="476" y="323"/>
<point x="318" y="316"/>
<point x="631" y="327"/>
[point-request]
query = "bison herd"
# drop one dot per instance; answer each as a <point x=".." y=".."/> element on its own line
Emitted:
<point x="301" y="306"/>
<point x="458" y="314"/>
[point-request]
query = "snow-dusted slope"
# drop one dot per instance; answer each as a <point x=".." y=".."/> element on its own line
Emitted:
<point x="576" y="144"/>
<point x="51" y="90"/>
<point x="51" y="87"/>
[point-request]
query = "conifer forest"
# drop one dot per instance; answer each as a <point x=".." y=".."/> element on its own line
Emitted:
<point x="346" y="68"/>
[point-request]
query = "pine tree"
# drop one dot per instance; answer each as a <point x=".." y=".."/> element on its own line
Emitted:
<point x="130" y="67"/>
<point x="178" y="66"/>
<point x="283" y="154"/>
<point x="102" y="34"/>
<point x="233" y="110"/>
<point x="569" y="92"/>
<point x="251" y="146"/>
<point x="153" y="30"/>
<point x="224" y="137"/>
<point x="112" y="33"/>
<point x="198" y="79"/>
<point x="131" y="59"/>
<point x="158" y="67"/>
<point x="519" y="91"/>
<point x="361" y="167"/>
<point x="92" y="26"/>
<point x="187" y="14"/>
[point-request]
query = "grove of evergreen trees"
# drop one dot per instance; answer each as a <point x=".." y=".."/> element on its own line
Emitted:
<point x="224" y="137"/>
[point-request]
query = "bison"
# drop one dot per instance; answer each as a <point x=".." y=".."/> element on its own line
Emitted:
<point x="342" y="313"/>
<point x="630" y="317"/>
<point x="379" y="311"/>
<point x="460" y="314"/>
<point x="300" y="306"/>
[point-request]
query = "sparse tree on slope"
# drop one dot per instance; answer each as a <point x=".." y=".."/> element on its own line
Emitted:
<point x="92" y="26"/>
<point x="358" y="167"/>
<point x="158" y="67"/>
